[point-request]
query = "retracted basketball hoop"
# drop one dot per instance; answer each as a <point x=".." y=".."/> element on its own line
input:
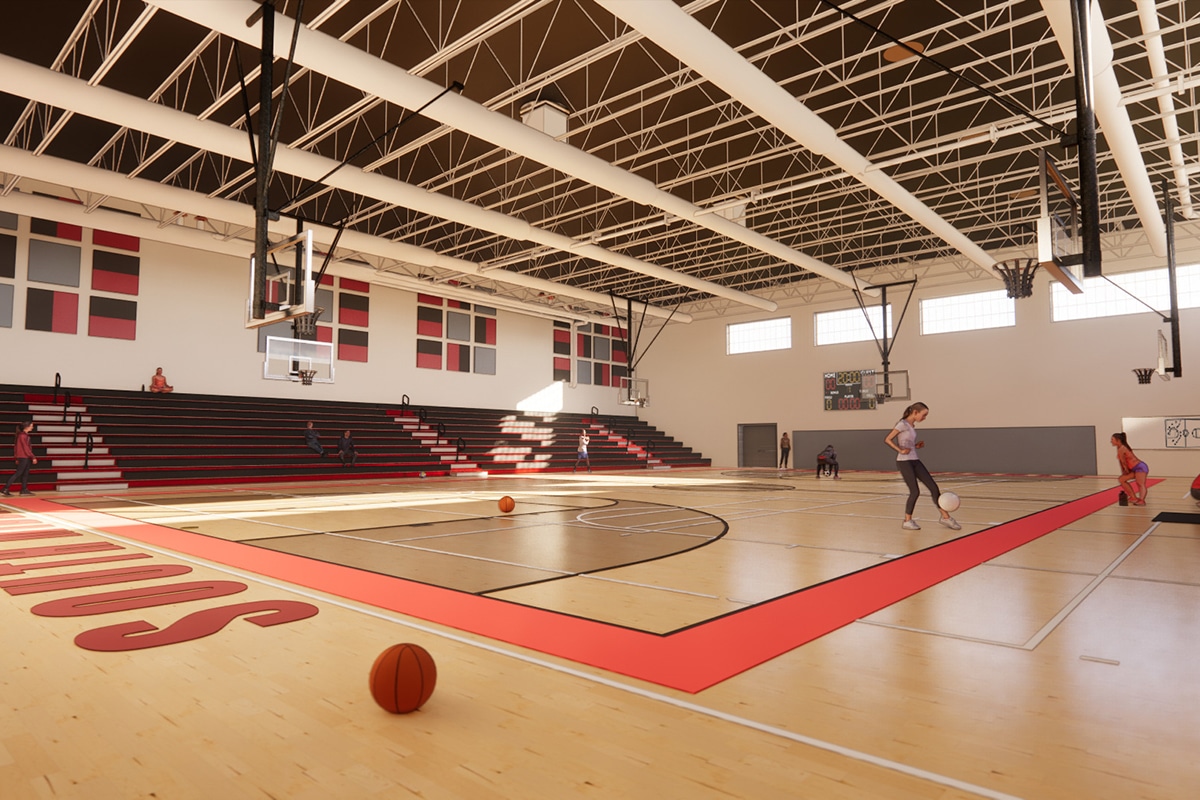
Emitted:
<point x="1017" y="274"/>
<point x="306" y="324"/>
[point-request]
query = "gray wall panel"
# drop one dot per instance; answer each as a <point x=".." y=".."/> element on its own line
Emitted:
<point x="6" y="305"/>
<point x="1055" y="451"/>
<point x="51" y="262"/>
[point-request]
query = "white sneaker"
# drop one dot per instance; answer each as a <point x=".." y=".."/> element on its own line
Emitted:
<point x="950" y="523"/>
<point x="910" y="525"/>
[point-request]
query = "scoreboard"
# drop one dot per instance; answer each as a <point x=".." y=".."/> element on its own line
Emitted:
<point x="850" y="390"/>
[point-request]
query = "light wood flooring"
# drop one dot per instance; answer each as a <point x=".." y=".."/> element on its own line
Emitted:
<point x="1065" y="668"/>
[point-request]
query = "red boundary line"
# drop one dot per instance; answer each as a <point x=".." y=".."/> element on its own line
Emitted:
<point x="689" y="660"/>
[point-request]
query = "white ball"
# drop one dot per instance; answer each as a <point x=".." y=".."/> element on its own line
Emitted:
<point x="949" y="502"/>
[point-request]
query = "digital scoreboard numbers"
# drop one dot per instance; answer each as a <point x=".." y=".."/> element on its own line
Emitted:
<point x="851" y="390"/>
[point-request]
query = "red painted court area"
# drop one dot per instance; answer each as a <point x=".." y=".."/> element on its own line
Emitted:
<point x="690" y="659"/>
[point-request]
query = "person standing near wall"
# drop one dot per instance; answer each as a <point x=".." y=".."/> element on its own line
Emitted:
<point x="903" y="439"/>
<point x="785" y="447"/>
<point x="23" y="453"/>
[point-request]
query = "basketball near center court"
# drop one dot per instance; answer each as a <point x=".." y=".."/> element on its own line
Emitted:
<point x="403" y="678"/>
<point x="507" y="504"/>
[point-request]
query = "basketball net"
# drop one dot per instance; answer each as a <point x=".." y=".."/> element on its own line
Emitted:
<point x="1018" y="276"/>
<point x="305" y="325"/>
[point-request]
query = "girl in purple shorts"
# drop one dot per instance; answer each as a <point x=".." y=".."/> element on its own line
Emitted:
<point x="1133" y="470"/>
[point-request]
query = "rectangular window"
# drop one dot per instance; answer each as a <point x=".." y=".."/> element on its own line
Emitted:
<point x="755" y="337"/>
<point x="968" y="312"/>
<point x="851" y="325"/>
<point x="1101" y="298"/>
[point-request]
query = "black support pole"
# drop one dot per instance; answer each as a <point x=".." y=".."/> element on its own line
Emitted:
<point x="262" y="167"/>
<point x="1085" y="132"/>
<point x="885" y="351"/>
<point x="1169" y="220"/>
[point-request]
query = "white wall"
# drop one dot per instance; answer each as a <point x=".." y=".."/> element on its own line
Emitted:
<point x="191" y="311"/>
<point x="1037" y="373"/>
<point x="191" y="322"/>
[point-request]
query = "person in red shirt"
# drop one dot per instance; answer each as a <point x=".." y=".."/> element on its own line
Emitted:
<point x="23" y="452"/>
<point x="1133" y="470"/>
<point x="158" y="383"/>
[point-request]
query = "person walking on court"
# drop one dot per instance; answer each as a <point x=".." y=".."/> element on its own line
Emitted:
<point x="1133" y="470"/>
<point x="312" y="440"/>
<point x="346" y="450"/>
<point x="23" y="453"/>
<point x="827" y="459"/>
<point x="785" y="447"/>
<point x="903" y="439"/>
<point x="582" y="454"/>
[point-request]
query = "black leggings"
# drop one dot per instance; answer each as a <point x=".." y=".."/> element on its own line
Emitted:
<point x="913" y="471"/>
<point x="783" y="459"/>
<point x="21" y="475"/>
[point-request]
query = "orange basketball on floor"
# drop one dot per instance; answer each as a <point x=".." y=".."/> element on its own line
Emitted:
<point x="507" y="504"/>
<point x="403" y="677"/>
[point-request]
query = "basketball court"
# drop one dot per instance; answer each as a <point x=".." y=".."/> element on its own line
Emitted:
<point x="576" y="175"/>
<point x="748" y="627"/>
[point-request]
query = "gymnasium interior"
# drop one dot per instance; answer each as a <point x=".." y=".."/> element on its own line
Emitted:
<point x="551" y="280"/>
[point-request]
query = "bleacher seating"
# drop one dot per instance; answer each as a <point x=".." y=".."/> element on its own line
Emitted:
<point x="142" y="439"/>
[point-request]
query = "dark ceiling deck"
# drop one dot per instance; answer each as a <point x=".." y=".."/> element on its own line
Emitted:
<point x="966" y="155"/>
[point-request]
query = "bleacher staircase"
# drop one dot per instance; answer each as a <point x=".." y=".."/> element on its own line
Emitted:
<point x="141" y="439"/>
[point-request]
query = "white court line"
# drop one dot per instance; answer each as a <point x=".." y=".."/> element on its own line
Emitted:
<point x="942" y="634"/>
<point x="209" y="515"/>
<point x="783" y="733"/>
<point x="595" y="577"/>
<point x="1049" y="627"/>
<point x="1040" y="636"/>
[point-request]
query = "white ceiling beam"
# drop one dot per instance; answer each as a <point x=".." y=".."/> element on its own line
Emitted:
<point x="28" y="80"/>
<point x="60" y="172"/>
<point x="328" y="56"/>
<point x="668" y="26"/>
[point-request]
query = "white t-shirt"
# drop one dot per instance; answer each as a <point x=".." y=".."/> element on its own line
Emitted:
<point x="583" y="443"/>
<point x="906" y="440"/>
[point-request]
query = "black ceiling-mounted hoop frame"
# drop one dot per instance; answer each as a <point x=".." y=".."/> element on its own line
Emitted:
<point x="1017" y="274"/>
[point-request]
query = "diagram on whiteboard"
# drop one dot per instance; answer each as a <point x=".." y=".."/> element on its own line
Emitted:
<point x="1182" y="431"/>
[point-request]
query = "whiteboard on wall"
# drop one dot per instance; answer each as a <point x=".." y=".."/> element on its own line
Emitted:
<point x="1162" y="433"/>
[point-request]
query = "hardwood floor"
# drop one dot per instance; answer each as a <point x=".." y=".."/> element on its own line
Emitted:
<point x="1062" y="669"/>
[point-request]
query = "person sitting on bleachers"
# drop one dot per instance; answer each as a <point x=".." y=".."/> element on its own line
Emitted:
<point x="158" y="383"/>
<point x="346" y="450"/>
<point x="312" y="439"/>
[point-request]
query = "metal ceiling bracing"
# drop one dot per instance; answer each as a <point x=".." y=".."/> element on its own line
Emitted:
<point x="721" y="197"/>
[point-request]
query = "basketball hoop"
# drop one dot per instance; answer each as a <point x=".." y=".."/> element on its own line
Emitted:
<point x="1018" y="276"/>
<point x="1143" y="375"/>
<point x="306" y="324"/>
<point x="306" y="376"/>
